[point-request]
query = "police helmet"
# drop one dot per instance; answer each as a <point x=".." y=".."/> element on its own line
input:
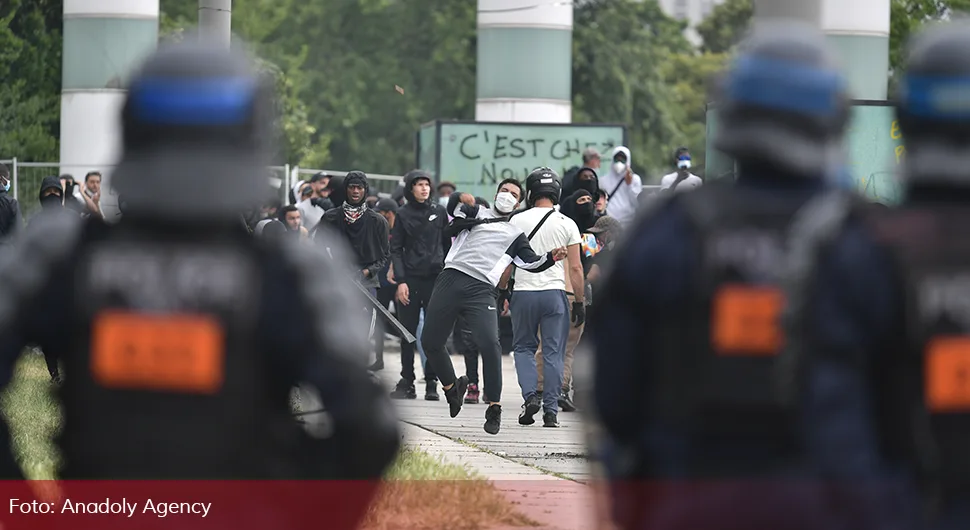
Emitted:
<point x="783" y="102"/>
<point x="197" y="133"/>
<point x="542" y="182"/>
<point x="933" y="106"/>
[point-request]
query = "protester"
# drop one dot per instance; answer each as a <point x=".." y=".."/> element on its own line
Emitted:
<point x="540" y="303"/>
<point x="385" y="293"/>
<point x="485" y="245"/>
<point x="314" y="203"/>
<point x="622" y="186"/>
<point x="682" y="179"/>
<point x="418" y="249"/>
<point x="591" y="158"/>
<point x="10" y="220"/>
<point x="444" y="191"/>
<point x="289" y="215"/>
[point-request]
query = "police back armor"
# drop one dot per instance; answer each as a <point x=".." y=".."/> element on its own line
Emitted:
<point x="714" y="376"/>
<point x="922" y="386"/>
<point x="166" y="375"/>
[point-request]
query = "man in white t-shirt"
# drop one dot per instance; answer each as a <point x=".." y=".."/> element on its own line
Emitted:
<point x="539" y="303"/>
<point x="682" y="179"/>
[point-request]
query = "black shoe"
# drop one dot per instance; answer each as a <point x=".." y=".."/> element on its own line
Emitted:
<point x="404" y="390"/>
<point x="493" y="419"/>
<point x="456" y="395"/>
<point x="566" y="404"/>
<point x="431" y="392"/>
<point x="377" y="366"/>
<point x="549" y="419"/>
<point x="529" y="409"/>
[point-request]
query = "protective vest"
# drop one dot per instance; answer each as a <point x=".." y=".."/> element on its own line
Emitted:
<point x="922" y="387"/>
<point x="715" y="373"/>
<point x="165" y="377"/>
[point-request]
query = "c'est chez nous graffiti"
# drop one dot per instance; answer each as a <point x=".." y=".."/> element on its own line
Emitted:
<point x="500" y="154"/>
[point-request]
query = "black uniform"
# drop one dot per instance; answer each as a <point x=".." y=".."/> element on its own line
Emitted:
<point x="181" y="334"/>
<point x="418" y="249"/>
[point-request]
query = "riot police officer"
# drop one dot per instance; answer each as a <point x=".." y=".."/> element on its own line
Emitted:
<point x="686" y="338"/>
<point x="180" y="334"/>
<point x="878" y="323"/>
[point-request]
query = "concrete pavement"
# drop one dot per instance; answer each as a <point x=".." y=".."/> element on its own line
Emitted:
<point x="540" y="470"/>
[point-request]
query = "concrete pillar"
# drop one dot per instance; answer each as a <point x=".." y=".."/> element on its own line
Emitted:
<point x="215" y="20"/>
<point x="524" y="61"/>
<point x="807" y="10"/>
<point x="859" y="31"/>
<point x="103" y="41"/>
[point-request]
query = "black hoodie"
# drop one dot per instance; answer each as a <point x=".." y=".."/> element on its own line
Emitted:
<point x="418" y="242"/>
<point x="367" y="236"/>
<point x="51" y="182"/>
<point x="572" y="185"/>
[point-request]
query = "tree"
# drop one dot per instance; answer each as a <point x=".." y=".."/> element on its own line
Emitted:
<point x="30" y="61"/>
<point x="259" y="23"/>
<point x="620" y="48"/>
<point x="693" y="76"/>
<point x="909" y="16"/>
<point x="725" y="25"/>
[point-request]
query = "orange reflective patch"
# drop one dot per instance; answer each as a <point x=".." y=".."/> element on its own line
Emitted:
<point x="744" y="320"/>
<point x="947" y="374"/>
<point x="178" y="353"/>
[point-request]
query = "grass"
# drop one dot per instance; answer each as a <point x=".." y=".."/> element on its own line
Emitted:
<point x="34" y="415"/>
<point x="420" y="491"/>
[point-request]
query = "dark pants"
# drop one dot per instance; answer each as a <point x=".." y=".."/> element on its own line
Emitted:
<point x="384" y="296"/>
<point x="420" y="290"/>
<point x="459" y="295"/>
<point x="51" y="359"/>
<point x="462" y="338"/>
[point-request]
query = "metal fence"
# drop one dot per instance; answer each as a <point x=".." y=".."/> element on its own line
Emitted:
<point x="26" y="178"/>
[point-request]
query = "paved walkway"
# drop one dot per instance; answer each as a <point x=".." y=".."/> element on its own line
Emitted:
<point x="541" y="470"/>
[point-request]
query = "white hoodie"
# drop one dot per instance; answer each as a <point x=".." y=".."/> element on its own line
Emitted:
<point x="623" y="202"/>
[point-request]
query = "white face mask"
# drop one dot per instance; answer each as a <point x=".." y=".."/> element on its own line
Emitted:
<point x="443" y="201"/>
<point x="683" y="164"/>
<point x="619" y="167"/>
<point x="505" y="203"/>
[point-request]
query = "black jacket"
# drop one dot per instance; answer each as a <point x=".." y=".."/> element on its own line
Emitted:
<point x="367" y="238"/>
<point x="9" y="216"/>
<point x="418" y="242"/>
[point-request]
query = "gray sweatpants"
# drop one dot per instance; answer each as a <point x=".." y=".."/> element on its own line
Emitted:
<point x="535" y="312"/>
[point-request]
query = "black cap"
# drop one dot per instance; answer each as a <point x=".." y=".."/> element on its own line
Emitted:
<point x="386" y="205"/>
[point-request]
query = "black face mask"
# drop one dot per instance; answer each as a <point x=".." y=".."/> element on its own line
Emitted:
<point x="51" y="201"/>
<point x="588" y="185"/>
<point x="585" y="215"/>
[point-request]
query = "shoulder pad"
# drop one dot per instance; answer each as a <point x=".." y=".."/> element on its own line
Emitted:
<point x="816" y="225"/>
<point x="324" y="277"/>
<point x="48" y="240"/>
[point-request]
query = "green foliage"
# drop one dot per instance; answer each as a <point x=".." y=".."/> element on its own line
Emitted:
<point x="30" y="64"/>
<point x="356" y="78"/>
<point x="725" y="26"/>
<point x="620" y="48"/>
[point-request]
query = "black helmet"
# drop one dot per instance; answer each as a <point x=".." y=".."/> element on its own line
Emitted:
<point x="933" y="106"/>
<point x="196" y="129"/>
<point x="542" y="182"/>
<point x="783" y="102"/>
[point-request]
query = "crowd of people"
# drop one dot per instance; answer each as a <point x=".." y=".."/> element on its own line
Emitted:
<point x="450" y="266"/>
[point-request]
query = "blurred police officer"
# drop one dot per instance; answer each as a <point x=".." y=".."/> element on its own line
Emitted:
<point x="686" y="335"/>
<point x="879" y="324"/>
<point x="181" y="335"/>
